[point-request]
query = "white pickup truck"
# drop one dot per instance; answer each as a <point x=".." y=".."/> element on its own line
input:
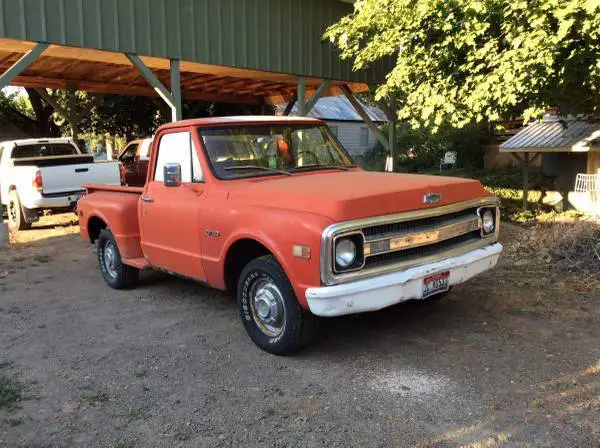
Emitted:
<point x="47" y="174"/>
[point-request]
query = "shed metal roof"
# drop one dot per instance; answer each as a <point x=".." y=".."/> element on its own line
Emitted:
<point x="555" y="135"/>
<point x="338" y="108"/>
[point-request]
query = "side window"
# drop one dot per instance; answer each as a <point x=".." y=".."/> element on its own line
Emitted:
<point x="129" y="154"/>
<point x="364" y="137"/>
<point x="178" y="148"/>
<point x="197" y="175"/>
<point x="334" y="130"/>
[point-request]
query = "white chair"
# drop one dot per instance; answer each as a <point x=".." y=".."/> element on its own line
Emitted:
<point x="449" y="159"/>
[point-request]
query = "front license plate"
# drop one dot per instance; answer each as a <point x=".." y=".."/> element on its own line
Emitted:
<point x="435" y="284"/>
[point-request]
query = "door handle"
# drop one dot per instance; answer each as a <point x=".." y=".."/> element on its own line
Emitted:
<point x="147" y="199"/>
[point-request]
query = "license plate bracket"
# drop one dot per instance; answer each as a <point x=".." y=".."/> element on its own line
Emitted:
<point x="436" y="284"/>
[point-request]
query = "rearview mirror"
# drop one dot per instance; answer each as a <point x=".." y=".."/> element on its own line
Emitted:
<point x="172" y="174"/>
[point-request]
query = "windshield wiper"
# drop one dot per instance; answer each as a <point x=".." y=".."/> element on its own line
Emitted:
<point x="321" y="167"/>
<point x="256" y="167"/>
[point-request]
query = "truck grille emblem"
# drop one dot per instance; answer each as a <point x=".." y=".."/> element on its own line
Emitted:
<point x="432" y="198"/>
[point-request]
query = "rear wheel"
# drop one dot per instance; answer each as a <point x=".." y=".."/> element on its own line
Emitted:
<point x="115" y="273"/>
<point x="16" y="217"/>
<point x="270" y="311"/>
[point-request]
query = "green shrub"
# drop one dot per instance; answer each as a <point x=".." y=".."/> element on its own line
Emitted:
<point x="429" y="147"/>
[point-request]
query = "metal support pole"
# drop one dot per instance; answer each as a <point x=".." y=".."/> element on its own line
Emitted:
<point x="9" y="75"/>
<point x="5" y="79"/>
<point x="177" y="111"/>
<point x="383" y="139"/>
<point x="289" y="107"/>
<point x="324" y="87"/>
<point x="301" y="96"/>
<point x="173" y="98"/>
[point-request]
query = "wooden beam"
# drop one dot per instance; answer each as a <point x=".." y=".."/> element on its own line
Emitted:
<point x="123" y="89"/>
<point x="363" y="114"/>
<point x="25" y="61"/>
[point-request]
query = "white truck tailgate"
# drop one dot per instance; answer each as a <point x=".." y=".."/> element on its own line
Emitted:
<point x="68" y="178"/>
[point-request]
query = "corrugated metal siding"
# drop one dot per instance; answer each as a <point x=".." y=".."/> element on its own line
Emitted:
<point x="272" y="35"/>
<point x="348" y="133"/>
<point x="338" y="108"/>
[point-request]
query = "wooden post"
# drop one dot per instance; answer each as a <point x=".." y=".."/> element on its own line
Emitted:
<point x="525" y="181"/>
<point x="393" y="132"/>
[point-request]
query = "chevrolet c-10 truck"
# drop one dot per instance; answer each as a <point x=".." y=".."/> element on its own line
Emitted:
<point x="275" y="210"/>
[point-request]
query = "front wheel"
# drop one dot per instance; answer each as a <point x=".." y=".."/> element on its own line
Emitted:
<point x="269" y="310"/>
<point x="115" y="273"/>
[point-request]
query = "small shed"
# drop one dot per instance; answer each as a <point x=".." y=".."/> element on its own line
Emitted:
<point x="570" y="152"/>
<point x="346" y="123"/>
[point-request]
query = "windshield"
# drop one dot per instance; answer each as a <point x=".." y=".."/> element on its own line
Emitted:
<point x="249" y="151"/>
<point x="43" y="150"/>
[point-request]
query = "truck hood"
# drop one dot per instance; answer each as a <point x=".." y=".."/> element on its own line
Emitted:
<point x="348" y="195"/>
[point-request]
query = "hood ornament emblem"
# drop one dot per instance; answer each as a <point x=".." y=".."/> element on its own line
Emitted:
<point x="432" y="198"/>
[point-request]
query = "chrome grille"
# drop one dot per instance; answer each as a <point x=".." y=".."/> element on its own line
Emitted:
<point x="380" y="230"/>
<point x="408" y="239"/>
<point x="421" y="251"/>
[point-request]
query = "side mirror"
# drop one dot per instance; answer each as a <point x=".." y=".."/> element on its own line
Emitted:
<point x="172" y="174"/>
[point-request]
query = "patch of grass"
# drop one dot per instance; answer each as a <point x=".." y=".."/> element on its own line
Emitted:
<point x="141" y="373"/>
<point x="573" y="246"/>
<point x="137" y="414"/>
<point x="95" y="398"/>
<point x="182" y="434"/>
<point x="125" y="443"/>
<point x="13" y="421"/>
<point x="5" y="364"/>
<point x="11" y="392"/>
<point x="42" y="259"/>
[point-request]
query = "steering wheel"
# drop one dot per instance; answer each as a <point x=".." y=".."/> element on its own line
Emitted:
<point x="310" y="153"/>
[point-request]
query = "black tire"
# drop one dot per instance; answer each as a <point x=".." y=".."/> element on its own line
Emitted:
<point x="115" y="273"/>
<point x="16" y="217"/>
<point x="297" y="328"/>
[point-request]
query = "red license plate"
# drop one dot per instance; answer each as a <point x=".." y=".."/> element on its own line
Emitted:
<point x="435" y="284"/>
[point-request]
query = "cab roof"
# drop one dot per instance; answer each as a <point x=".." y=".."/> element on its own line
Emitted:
<point x="242" y="120"/>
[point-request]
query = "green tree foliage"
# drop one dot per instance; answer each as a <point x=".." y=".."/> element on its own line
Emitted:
<point x="428" y="147"/>
<point x="29" y="113"/>
<point x="129" y="116"/>
<point x="459" y="61"/>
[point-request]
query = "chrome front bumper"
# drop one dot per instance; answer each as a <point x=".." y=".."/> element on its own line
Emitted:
<point x="379" y="292"/>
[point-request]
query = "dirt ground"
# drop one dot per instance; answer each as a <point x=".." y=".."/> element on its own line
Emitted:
<point x="510" y="359"/>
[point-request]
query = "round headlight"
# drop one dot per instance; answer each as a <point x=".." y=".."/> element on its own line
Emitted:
<point x="488" y="221"/>
<point x="345" y="252"/>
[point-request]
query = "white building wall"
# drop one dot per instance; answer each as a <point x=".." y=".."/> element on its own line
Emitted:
<point x="348" y="133"/>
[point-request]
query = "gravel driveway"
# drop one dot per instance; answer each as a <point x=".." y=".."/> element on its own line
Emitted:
<point x="510" y="359"/>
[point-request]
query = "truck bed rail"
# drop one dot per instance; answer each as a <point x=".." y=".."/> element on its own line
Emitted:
<point x="120" y="189"/>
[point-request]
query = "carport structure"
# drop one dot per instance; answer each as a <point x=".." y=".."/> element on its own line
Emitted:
<point x="254" y="52"/>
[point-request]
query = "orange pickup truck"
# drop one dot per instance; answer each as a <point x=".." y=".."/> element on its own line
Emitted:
<point x="275" y="210"/>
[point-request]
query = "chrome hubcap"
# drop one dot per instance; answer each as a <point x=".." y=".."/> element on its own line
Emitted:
<point x="110" y="259"/>
<point x="12" y="211"/>
<point x="268" y="308"/>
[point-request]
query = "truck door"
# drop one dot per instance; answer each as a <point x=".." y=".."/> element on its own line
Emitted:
<point x="171" y="217"/>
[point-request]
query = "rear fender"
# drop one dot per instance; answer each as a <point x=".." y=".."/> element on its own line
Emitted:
<point x="120" y="218"/>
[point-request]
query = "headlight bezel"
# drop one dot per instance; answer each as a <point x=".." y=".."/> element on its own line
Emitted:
<point x="358" y="239"/>
<point x="493" y="211"/>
